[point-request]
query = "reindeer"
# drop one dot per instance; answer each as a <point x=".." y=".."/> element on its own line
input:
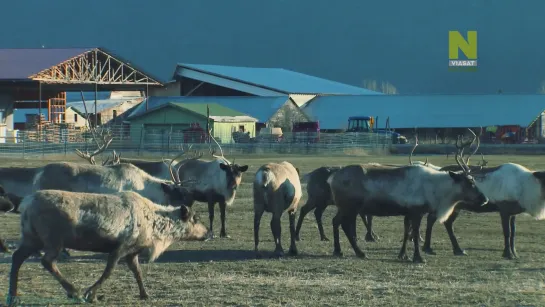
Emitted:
<point x="512" y="189"/>
<point x="276" y="189"/>
<point x="319" y="197"/>
<point x="112" y="179"/>
<point x="121" y="224"/>
<point x="218" y="180"/>
<point x="410" y="191"/>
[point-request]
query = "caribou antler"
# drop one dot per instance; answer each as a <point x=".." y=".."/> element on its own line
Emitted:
<point x="175" y="174"/>
<point x="460" y="151"/>
<point x="412" y="151"/>
<point x="106" y="140"/>
<point x="105" y="135"/>
<point x="477" y="147"/>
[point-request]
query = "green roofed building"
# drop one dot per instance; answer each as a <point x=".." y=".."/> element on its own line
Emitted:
<point x="170" y="119"/>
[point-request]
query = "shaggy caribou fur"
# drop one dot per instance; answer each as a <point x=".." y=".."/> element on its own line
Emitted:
<point x="410" y="191"/>
<point x="511" y="189"/>
<point x="276" y="189"/>
<point x="88" y="178"/>
<point x="122" y="225"/>
<point x="319" y="197"/>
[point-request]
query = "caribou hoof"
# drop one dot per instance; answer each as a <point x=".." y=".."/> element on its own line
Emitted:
<point x="429" y="251"/>
<point x="507" y="255"/>
<point x="279" y="253"/>
<point x="418" y="260"/>
<point x="460" y="252"/>
<point x="90" y="295"/>
<point x="293" y="252"/>
<point x="13" y="301"/>
<point x="144" y="296"/>
<point x="403" y="257"/>
<point x="371" y="237"/>
<point x="324" y="238"/>
<point x="362" y="256"/>
<point x="224" y="235"/>
<point x="337" y="254"/>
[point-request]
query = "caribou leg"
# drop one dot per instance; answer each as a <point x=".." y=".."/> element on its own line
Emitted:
<point x="309" y="205"/>
<point x="415" y="221"/>
<point x="223" y="206"/>
<point x="336" y="240"/>
<point x="258" y="213"/>
<point x="276" y="229"/>
<point x="134" y="266"/>
<point x="450" y="230"/>
<point x="211" y="217"/>
<point x="406" y="230"/>
<point x="293" y="247"/>
<point x="19" y="256"/>
<point x="429" y="227"/>
<point x="370" y="236"/>
<point x="349" y="227"/>
<point x="505" y="224"/>
<point x="512" y="237"/>
<point x="49" y="262"/>
<point x="113" y="258"/>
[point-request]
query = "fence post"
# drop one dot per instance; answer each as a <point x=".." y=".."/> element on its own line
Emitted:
<point x="42" y="138"/>
<point x="169" y="140"/>
<point x="141" y="139"/>
<point x="24" y="144"/>
<point x="65" y="145"/>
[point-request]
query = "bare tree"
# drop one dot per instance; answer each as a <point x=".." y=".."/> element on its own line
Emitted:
<point x="287" y="116"/>
<point x="384" y="87"/>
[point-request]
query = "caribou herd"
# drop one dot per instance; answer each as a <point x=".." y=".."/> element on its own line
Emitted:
<point x="123" y="207"/>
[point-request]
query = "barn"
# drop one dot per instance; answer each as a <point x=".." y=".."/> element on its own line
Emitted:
<point x="179" y="120"/>
<point x="279" y="111"/>
<point x="438" y="116"/>
<point x="220" y="80"/>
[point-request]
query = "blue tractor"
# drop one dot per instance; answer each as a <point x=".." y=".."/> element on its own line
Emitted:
<point x="367" y="124"/>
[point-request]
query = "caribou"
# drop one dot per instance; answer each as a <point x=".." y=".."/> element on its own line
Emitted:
<point x="409" y="191"/>
<point x="6" y="205"/>
<point x="511" y="188"/>
<point x="121" y="224"/>
<point x="319" y="198"/>
<point x="276" y="189"/>
<point x="218" y="181"/>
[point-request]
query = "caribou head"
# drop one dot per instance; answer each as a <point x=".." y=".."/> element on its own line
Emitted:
<point x="178" y="190"/>
<point x="232" y="171"/>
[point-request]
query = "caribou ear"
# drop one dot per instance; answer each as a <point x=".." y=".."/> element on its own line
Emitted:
<point x="224" y="166"/>
<point x="184" y="213"/>
<point x="298" y="173"/>
<point x="455" y="176"/>
<point x="2" y="191"/>
<point x="540" y="176"/>
<point x="243" y="168"/>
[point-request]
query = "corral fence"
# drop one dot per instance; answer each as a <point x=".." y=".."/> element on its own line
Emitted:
<point x="142" y="141"/>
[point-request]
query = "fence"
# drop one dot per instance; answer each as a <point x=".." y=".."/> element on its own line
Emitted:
<point x="141" y="141"/>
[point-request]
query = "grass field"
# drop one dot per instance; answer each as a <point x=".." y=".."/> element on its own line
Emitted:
<point x="223" y="272"/>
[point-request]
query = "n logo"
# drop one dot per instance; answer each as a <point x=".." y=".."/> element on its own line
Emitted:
<point x="457" y="43"/>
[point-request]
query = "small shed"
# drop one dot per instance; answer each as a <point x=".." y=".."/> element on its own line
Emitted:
<point x="178" y="117"/>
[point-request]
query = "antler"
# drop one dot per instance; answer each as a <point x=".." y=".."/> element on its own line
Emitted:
<point x="460" y="151"/>
<point x="412" y="151"/>
<point x="174" y="174"/>
<point x="106" y="140"/>
<point x="477" y="147"/>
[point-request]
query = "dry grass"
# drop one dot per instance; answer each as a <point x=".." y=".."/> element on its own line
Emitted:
<point x="223" y="272"/>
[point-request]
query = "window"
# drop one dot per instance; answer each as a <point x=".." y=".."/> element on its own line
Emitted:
<point x="75" y="118"/>
<point x="114" y="114"/>
<point x="241" y="128"/>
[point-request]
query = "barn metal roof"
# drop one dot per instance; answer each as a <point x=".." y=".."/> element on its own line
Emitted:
<point x="102" y="104"/>
<point x="428" y="111"/>
<point x="19" y="64"/>
<point x="261" y="108"/>
<point x="276" y="80"/>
